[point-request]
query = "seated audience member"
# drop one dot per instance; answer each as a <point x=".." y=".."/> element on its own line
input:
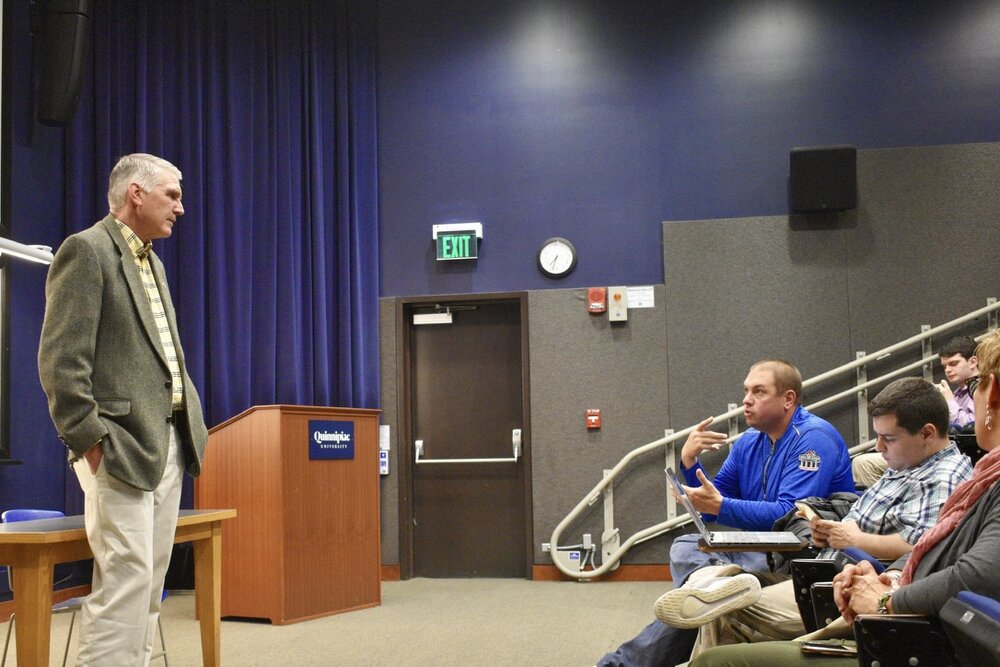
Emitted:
<point x="786" y="454"/>
<point x="958" y="553"/>
<point x="958" y="358"/>
<point x="910" y="418"/>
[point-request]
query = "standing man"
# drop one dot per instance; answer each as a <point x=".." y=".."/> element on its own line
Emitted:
<point x="121" y="400"/>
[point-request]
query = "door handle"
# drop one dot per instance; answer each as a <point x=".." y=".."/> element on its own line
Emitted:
<point x="418" y="451"/>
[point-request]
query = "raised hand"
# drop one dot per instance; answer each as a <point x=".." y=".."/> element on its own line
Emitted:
<point x="698" y="441"/>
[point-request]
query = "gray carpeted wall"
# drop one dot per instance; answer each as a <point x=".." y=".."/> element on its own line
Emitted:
<point x="919" y="249"/>
<point x="389" y="484"/>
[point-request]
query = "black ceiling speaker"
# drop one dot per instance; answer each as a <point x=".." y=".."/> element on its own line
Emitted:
<point x="66" y="32"/>
<point x="823" y="178"/>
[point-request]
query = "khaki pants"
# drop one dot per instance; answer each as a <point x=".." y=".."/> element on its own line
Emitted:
<point x="868" y="468"/>
<point x="131" y="533"/>
<point x="775" y="616"/>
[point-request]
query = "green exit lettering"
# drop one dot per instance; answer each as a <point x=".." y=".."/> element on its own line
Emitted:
<point x="456" y="246"/>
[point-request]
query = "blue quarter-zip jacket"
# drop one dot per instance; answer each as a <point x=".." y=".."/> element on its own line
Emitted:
<point x="759" y="483"/>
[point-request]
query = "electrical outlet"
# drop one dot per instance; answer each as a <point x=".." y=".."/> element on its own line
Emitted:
<point x="546" y="546"/>
<point x="587" y="543"/>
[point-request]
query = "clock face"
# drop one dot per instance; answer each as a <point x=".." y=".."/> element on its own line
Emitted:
<point x="557" y="257"/>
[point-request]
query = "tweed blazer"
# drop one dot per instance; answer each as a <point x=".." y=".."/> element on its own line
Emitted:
<point x="102" y="365"/>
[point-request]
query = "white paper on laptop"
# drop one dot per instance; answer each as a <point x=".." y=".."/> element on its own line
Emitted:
<point x="753" y="540"/>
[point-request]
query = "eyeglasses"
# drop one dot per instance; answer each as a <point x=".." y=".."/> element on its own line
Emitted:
<point x="971" y="384"/>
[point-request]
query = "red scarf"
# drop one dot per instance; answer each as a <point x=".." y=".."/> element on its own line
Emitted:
<point x="954" y="509"/>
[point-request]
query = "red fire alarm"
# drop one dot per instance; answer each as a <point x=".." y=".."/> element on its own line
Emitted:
<point x="597" y="300"/>
<point x="593" y="418"/>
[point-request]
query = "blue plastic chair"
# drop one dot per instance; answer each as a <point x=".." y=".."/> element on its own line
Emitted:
<point x="70" y="606"/>
<point x="858" y="555"/>
<point x="972" y="622"/>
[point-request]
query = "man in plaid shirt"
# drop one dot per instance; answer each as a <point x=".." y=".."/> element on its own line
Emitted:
<point x="923" y="468"/>
<point x="910" y="418"/>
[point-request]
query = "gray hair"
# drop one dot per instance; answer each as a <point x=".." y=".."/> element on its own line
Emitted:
<point x="140" y="168"/>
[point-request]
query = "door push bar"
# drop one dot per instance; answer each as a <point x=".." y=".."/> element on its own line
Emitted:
<point x="418" y="446"/>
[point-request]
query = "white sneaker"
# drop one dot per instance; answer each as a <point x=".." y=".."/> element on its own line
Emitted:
<point x="694" y="605"/>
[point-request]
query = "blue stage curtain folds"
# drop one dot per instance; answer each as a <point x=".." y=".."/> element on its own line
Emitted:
<point x="268" y="109"/>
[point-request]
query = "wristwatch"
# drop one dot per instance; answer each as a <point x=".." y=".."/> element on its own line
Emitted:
<point x="882" y="606"/>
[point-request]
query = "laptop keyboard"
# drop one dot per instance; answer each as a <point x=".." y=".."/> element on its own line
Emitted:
<point x="751" y="537"/>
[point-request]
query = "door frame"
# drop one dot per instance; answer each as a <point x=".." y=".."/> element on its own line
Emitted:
<point x="404" y="311"/>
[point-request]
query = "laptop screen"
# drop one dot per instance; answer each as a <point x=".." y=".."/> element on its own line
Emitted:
<point x="686" y="502"/>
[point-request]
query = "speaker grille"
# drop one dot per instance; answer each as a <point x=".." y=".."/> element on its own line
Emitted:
<point x="823" y="179"/>
<point x="66" y="49"/>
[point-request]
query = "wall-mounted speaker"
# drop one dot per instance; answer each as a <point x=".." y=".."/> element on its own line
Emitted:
<point x="823" y="178"/>
<point x="66" y="32"/>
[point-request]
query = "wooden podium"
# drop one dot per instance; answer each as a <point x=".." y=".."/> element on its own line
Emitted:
<point x="305" y="540"/>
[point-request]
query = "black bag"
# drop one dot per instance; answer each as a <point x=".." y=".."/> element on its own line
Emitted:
<point x="833" y="508"/>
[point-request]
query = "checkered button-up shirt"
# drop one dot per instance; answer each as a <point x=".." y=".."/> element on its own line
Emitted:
<point x="907" y="502"/>
<point x="141" y="251"/>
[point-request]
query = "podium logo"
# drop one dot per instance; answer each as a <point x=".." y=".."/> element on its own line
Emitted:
<point x="331" y="440"/>
<point x="321" y="438"/>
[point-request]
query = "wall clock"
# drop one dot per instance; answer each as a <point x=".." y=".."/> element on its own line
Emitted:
<point x="557" y="257"/>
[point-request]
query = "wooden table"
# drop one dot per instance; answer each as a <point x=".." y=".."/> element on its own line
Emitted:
<point x="33" y="548"/>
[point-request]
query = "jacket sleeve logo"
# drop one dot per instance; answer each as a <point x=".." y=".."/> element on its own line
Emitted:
<point x="809" y="461"/>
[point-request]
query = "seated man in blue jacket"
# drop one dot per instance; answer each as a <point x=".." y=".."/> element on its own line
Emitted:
<point x="786" y="454"/>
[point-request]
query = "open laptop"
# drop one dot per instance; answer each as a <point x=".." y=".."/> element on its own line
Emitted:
<point x="760" y="540"/>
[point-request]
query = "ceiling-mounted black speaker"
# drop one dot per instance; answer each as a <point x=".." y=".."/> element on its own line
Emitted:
<point x="823" y="178"/>
<point x="66" y="32"/>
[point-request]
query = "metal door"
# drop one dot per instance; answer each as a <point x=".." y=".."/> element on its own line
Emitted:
<point x="469" y="476"/>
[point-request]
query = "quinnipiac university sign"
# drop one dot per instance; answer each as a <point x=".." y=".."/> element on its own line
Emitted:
<point x="331" y="440"/>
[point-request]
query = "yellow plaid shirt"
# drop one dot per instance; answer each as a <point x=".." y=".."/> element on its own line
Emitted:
<point x="141" y="251"/>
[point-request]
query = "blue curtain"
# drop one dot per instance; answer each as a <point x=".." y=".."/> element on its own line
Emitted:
<point x="268" y="109"/>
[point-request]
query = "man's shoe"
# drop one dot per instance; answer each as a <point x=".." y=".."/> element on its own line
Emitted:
<point x="694" y="605"/>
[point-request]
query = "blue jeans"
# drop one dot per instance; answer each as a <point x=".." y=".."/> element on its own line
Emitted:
<point x="657" y="644"/>
<point x="685" y="558"/>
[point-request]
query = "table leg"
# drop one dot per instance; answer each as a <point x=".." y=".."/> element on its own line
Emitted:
<point x="208" y="591"/>
<point x="33" y="606"/>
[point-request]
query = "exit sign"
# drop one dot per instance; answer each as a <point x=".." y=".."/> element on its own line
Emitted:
<point x="457" y="245"/>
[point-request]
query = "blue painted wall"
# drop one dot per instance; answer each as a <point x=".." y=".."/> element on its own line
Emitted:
<point x="597" y="120"/>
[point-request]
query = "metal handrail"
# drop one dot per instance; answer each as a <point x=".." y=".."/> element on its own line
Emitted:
<point x="886" y="352"/>
<point x="611" y="560"/>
